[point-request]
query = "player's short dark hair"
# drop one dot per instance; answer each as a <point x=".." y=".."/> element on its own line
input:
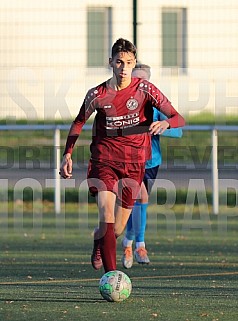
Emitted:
<point x="123" y="45"/>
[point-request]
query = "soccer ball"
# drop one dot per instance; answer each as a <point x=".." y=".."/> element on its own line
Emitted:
<point x="115" y="286"/>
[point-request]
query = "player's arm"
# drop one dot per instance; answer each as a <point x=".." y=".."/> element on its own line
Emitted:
<point x="158" y="127"/>
<point x="161" y="102"/>
<point x="67" y="164"/>
<point x="74" y="132"/>
<point x="170" y="132"/>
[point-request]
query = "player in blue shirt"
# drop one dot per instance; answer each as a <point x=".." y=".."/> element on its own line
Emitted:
<point x="136" y="224"/>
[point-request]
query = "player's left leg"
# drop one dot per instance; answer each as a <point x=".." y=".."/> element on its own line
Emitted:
<point x="139" y="217"/>
<point x="129" y="192"/>
<point x="127" y="241"/>
<point x="123" y="216"/>
<point x="130" y="232"/>
<point x="139" y="222"/>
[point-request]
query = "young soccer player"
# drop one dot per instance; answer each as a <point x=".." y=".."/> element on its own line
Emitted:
<point x="121" y="144"/>
<point x="136" y="225"/>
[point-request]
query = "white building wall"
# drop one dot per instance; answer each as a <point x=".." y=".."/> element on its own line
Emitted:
<point x="212" y="75"/>
<point x="43" y="71"/>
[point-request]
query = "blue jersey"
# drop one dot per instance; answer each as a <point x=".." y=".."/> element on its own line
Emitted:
<point x="156" y="157"/>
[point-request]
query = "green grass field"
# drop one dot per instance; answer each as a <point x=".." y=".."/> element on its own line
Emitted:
<point x="45" y="271"/>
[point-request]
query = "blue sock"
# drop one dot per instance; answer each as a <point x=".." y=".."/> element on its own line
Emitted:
<point x="139" y="221"/>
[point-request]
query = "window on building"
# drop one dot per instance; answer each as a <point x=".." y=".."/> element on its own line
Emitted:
<point x="99" y="36"/>
<point x="174" y="37"/>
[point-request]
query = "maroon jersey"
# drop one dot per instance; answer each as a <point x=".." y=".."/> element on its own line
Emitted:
<point x="120" y="128"/>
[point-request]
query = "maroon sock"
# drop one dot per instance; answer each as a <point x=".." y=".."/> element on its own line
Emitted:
<point x="108" y="247"/>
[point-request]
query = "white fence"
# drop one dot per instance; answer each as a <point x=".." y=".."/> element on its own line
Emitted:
<point x="57" y="156"/>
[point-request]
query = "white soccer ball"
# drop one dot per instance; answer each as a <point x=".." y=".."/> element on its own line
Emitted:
<point x="115" y="286"/>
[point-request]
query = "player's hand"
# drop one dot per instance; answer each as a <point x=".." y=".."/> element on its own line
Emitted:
<point x="66" y="166"/>
<point x="158" y="127"/>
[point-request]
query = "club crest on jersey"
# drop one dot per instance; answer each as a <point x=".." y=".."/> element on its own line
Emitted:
<point x="132" y="104"/>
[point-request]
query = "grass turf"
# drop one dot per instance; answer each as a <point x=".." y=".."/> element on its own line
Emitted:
<point x="45" y="273"/>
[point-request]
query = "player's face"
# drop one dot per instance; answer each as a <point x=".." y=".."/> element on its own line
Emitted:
<point x="122" y="65"/>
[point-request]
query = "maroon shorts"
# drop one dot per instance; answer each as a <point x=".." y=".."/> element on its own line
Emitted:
<point x="123" y="179"/>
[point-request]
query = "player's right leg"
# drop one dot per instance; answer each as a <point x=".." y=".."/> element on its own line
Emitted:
<point x="104" y="250"/>
<point x="101" y="180"/>
<point x="96" y="258"/>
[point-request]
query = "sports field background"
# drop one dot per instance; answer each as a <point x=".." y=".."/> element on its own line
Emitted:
<point x="45" y="271"/>
<point x="49" y="59"/>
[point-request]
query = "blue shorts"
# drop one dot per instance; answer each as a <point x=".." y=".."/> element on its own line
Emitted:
<point x="149" y="177"/>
